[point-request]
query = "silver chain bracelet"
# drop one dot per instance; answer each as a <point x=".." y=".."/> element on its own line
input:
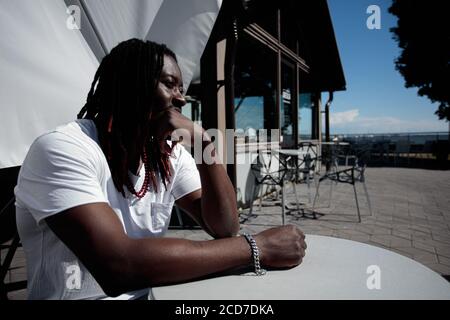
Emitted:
<point x="255" y="254"/>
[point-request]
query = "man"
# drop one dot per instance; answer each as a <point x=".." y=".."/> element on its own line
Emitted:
<point x="94" y="196"/>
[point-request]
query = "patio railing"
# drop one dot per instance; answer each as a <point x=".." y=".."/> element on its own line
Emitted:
<point x="423" y="149"/>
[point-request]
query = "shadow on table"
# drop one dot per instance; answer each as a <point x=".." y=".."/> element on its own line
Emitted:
<point x="243" y="271"/>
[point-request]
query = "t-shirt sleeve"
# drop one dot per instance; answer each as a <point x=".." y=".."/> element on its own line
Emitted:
<point x="187" y="177"/>
<point x="58" y="173"/>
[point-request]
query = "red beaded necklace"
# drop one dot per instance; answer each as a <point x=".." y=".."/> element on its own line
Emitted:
<point x="146" y="184"/>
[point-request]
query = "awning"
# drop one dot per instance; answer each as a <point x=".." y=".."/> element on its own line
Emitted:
<point x="47" y="63"/>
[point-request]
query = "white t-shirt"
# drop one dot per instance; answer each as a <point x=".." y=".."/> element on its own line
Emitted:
<point x="67" y="168"/>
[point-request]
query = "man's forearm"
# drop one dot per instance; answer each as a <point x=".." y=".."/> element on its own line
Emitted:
<point x="164" y="261"/>
<point x="219" y="207"/>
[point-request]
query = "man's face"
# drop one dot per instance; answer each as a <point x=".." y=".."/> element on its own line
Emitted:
<point x="169" y="92"/>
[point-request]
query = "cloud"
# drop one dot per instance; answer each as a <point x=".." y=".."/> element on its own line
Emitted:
<point x="344" y="117"/>
<point x="350" y="121"/>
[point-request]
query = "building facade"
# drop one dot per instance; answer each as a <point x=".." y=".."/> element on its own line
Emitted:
<point x="262" y="75"/>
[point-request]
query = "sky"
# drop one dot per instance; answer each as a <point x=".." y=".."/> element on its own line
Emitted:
<point x="376" y="100"/>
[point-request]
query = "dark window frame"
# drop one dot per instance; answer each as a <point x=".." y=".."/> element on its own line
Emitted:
<point x="284" y="53"/>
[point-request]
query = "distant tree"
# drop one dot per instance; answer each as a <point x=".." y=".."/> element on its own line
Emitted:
<point x="423" y="32"/>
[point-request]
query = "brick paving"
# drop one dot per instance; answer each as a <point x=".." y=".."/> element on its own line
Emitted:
<point x="411" y="216"/>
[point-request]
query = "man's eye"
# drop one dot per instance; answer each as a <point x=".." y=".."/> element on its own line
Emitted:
<point x="172" y="85"/>
<point x="169" y="84"/>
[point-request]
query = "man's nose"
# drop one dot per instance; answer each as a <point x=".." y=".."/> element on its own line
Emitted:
<point x="178" y="99"/>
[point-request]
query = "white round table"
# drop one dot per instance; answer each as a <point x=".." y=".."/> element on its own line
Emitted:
<point x="332" y="269"/>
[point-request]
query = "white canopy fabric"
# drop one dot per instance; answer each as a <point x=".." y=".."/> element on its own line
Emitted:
<point x="46" y="68"/>
<point x="186" y="32"/>
<point x="45" y="73"/>
<point x="116" y="20"/>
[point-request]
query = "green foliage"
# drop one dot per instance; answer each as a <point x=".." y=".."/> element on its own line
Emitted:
<point x="423" y="34"/>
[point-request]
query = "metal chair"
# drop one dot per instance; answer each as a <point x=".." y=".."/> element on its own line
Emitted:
<point x="308" y="167"/>
<point x="350" y="175"/>
<point x="269" y="171"/>
<point x="304" y="167"/>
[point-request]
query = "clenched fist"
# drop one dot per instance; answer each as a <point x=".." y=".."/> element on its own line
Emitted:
<point x="281" y="247"/>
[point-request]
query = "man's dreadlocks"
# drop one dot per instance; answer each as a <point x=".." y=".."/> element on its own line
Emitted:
<point x="121" y="102"/>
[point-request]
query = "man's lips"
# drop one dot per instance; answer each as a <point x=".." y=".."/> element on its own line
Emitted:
<point x="160" y="112"/>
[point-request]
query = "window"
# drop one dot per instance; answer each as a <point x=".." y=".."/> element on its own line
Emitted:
<point x="305" y="116"/>
<point x="306" y="109"/>
<point x="192" y="110"/>
<point x="255" y="89"/>
<point x="193" y="107"/>
<point x="287" y="104"/>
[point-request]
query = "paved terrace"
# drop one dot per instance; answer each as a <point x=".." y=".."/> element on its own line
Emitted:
<point x="411" y="216"/>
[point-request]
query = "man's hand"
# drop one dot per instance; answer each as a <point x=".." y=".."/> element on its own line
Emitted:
<point x="171" y="123"/>
<point x="281" y="247"/>
<point x="217" y="210"/>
